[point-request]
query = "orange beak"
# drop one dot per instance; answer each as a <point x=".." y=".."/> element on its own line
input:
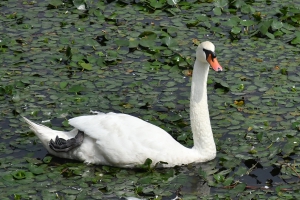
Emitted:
<point x="214" y="63"/>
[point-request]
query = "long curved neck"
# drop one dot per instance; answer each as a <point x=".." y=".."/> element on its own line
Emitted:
<point x="199" y="114"/>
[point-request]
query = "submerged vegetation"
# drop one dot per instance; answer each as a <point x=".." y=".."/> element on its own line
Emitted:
<point x="63" y="58"/>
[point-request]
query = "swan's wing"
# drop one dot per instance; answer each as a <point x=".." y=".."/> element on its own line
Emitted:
<point x="126" y="140"/>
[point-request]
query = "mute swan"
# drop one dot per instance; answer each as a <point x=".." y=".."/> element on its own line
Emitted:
<point x="122" y="140"/>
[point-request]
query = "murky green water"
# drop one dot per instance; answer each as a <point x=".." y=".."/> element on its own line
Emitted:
<point x="58" y="62"/>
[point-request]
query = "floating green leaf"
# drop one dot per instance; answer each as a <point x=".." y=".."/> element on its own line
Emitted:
<point x="245" y="8"/>
<point x="36" y="170"/>
<point x="219" y="178"/>
<point x="76" y="88"/>
<point x="47" y="159"/>
<point x="264" y="26"/>
<point x="276" y="25"/>
<point x="296" y="40"/>
<point x="79" y="4"/>
<point x="55" y="3"/>
<point x="247" y="22"/>
<point x="232" y="22"/>
<point x="220" y="3"/>
<point x="91" y="42"/>
<point x="228" y="181"/>
<point x="239" y="188"/>
<point x="147" y="39"/>
<point x="170" y="42"/>
<point x="21" y="174"/>
<point x="217" y="11"/>
<point x="86" y="66"/>
<point x="62" y="85"/>
<point x="292" y="142"/>
<point x="122" y="42"/>
<point x="236" y="30"/>
<point x="156" y="4"/>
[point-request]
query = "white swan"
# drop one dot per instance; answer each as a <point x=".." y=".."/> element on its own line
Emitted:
<point x="125" y="141"/>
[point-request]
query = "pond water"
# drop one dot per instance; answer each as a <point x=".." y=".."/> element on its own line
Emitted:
<point x="58" y="62"/>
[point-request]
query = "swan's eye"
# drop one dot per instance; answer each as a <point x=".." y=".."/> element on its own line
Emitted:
<point x="207" y="52"/>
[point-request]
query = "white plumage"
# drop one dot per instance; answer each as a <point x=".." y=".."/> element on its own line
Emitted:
<point x="126" y="141"/>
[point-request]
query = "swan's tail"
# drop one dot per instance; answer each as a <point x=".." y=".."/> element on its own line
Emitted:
<point x="46" y="134"/>
<point x="36" y="128"/>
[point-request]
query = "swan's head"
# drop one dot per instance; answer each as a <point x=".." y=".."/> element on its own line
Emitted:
<point x="206" y="54"/>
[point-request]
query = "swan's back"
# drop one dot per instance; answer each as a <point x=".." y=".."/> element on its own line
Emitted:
<point x="124" y="140"/>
